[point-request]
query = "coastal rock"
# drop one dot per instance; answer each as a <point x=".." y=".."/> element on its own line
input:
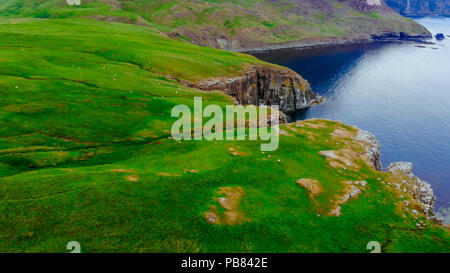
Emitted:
<point x="395" y="36"/>
<point x="372" y="147"/>
<point x="439" y="36"/>
<point x="420" y="190"/>
<point x="263" y="85"/>
<point x="444" y="214"/>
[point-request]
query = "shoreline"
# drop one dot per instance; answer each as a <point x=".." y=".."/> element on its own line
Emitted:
<point x="301" y="45"/>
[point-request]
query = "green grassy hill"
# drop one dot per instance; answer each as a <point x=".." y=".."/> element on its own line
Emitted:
<point x="238" y="24"/>
<point x="86" y="155"/>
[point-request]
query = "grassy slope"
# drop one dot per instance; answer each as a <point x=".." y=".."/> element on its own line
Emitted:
<point x="250" y="23"/>
<point x="86" y="104"/>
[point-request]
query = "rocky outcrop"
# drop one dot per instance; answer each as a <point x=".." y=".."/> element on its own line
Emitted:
<point x="401" y="36"/>
<point x="420" y="190"/>
<point x="264" y="85"/>
<point x="372" y="148"/>
<point x="444" y="214"/>
<point x="439" y="36"/>
<point x="351" y="190"/>
<point x="227" y="207"/>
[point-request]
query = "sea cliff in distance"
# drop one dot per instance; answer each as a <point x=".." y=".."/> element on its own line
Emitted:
<point x="241" y="25"/>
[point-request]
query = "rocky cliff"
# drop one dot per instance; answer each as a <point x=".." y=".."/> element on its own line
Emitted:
<point x="263" y="85"/>
<point x="419" y="190"/>
<point x="416" y="196"/>
<point x="401" y="179"/>
<point x="372" y="148"/>
<point x="420" y="7"/>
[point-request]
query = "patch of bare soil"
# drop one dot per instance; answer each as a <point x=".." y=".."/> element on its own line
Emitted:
<point x="235" y="152"/>
<point x="311" y="123"/>
<point x="284" y="133"/>
<point x="339" y="133"/>
<point x="168" y="174"/>
<point x="312" y="186"/>
<point x="132" y="178"/>
<point x="121" y="171"/>
<point x="292" y="129"/>
<point x="301" y="128"/>
<point x="191" y="171"/>
<point x="351" y="191"/>
<point x="230" y="202"/>
<point x="342" y="159"/>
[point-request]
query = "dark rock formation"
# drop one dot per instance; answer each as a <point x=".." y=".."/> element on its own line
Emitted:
<point x="393" y="36"/>
<point x="440" y="36"/>
<point x="267" y="86"/>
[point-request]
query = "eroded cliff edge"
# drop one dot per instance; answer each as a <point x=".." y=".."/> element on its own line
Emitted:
<point x="415" y="194"/>
<point x="266" y="85"/>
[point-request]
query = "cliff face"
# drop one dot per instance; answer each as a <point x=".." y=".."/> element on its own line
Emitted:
<point x="417" y="194"/>
<point x="420" y="7"/>
<point x="406" y="182"/>
<point x="267" y="86"/>
<point x="372" y="147"/>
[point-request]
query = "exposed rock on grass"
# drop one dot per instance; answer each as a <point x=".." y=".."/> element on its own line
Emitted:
<point x="351" y="191"/>
<point x="341" y="159"/>
<point x="407" y="182"/>
<point x="312" y="186"/>
<point x="132" y="178"/>
<point x="121" y="171"/>
<point x="228" y="210"/>
<point x="235" y="152"/>
<point x="168" y="174"/>
<point x="284" y="133"/>
<point x="340" y="133"/>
